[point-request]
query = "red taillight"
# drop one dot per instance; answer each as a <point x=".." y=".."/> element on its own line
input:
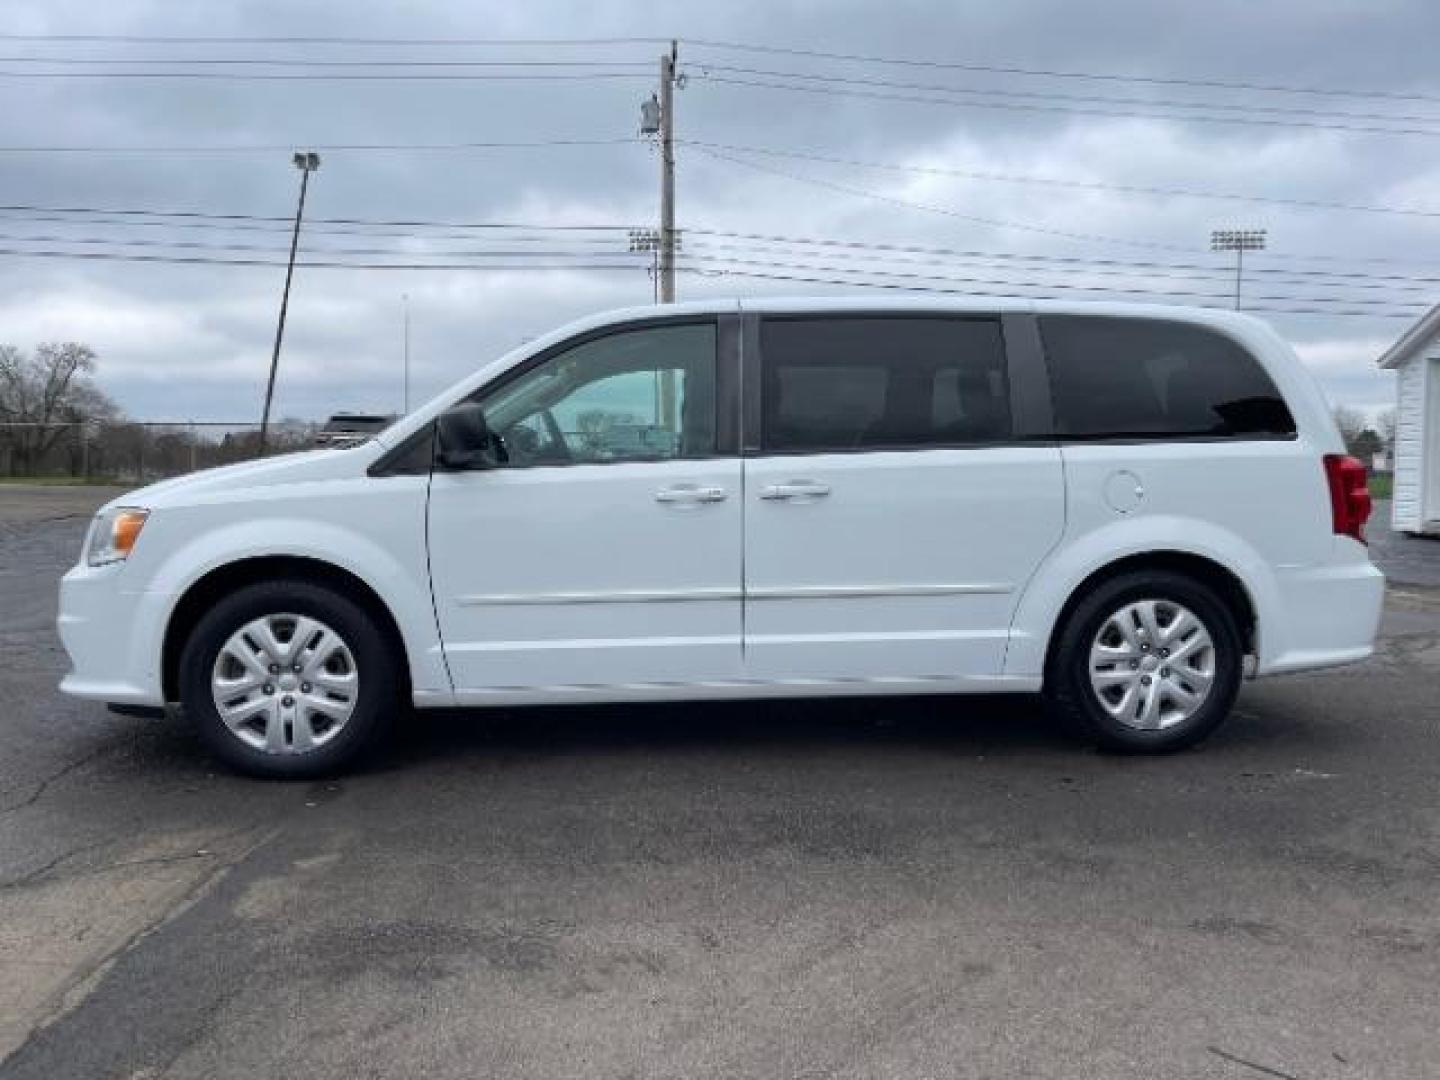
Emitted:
<point x="1349" y="495"/>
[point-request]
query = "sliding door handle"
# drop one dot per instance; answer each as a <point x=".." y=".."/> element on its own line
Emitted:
<point x="795" y="489"/>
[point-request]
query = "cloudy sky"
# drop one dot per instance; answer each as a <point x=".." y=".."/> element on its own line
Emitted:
<point x="1034" y="147"/>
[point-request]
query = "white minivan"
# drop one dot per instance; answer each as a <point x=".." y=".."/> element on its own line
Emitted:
<point x="1126" y="508"/>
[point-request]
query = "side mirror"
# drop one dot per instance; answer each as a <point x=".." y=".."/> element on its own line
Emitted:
<point x="464" y="439"/>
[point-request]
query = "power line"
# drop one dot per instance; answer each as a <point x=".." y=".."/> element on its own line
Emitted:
<point x="247" y="76"/>
<point x="1061" y="287"/>
<point x="1014" y="106"/>
<point x="864" y="278"/>
<point x="994" y="222"/>
<point x="208" y="216"/>
<point x="195" y="245"/>
<point x="273" y="148"/>
<point x="1084" y="185"/>
<point x="365" y="226"/>
<point x="859" y="249"/>
<point x="941" y="210"/>
<point x="731" y="46"/>
<point x="1235" y="107"/>
<point x="1060" y="73"/>
<point x="1310" y="257"/>
<point x="888" y="254"/>
<point x="430" y="65"/>
<point x="193" y="260"/>
<point x="172" y="39"/>
<point x="869" y="245"/>
<point x="1099" y="268"/>
<point x="306" y="62"/>
<point x="828" y="159"/>
<point x="510" y="236"/>
<point x="815" y="280"/>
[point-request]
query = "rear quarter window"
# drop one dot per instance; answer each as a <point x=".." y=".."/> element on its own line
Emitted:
<point x="1150" y="378"/>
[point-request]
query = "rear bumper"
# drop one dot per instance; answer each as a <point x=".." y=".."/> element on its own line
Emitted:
<point x="1324" y="617"/>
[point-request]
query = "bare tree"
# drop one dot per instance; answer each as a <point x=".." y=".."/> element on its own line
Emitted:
<point x="1351" y="422"/>
<point x="1385" y="425"/>
<point x="45" y="394"/>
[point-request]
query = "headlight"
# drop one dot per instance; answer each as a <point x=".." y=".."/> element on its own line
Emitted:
<point x="114" y="533"/>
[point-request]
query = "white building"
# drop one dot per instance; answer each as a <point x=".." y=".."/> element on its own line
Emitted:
<point x="1415" y="359"/>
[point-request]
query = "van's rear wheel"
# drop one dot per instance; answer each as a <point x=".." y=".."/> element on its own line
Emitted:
<point x="288" y="679"/>
<point x="1148" y="661"/>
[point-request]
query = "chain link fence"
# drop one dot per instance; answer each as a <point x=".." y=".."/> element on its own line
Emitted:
<point x="134" y="453"/>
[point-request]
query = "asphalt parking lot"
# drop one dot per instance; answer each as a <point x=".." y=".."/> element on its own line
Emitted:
<point x="916" y="888"/>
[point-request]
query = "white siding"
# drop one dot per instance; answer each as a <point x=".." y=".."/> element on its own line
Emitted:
<point x="1410" y="441"/>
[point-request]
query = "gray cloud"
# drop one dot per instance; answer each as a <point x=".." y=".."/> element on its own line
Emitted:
<point x="194" y="341"/>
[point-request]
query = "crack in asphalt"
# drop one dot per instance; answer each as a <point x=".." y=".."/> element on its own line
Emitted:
<point x="1266" y="1069"/>
<point x="60" y="774"/>
<point x="206" y="849"/>
<point x="41" y="871"/>
<point x="155" y="860"/>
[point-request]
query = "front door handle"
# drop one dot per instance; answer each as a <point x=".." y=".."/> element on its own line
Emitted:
<point x="795" y="489"/>
<point x="690" y="494"/>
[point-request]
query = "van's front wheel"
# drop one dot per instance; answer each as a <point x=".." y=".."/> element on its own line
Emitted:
<point x="287" y="679"/>
<point x="1148" y="661"/>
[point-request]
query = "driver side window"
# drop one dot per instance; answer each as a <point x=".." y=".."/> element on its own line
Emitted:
<point x="636" y="395"/>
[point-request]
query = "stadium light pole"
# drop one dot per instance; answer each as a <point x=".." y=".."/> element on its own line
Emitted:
<point x="307" y="163"/>
<point x="1239" y="241"/>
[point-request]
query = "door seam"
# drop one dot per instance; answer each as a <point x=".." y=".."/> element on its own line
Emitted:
<point x="430" y="580"/>
<point x="744" y="491"/>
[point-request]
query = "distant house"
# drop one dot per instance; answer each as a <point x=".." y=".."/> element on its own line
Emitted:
<point x="1415" y="359"/>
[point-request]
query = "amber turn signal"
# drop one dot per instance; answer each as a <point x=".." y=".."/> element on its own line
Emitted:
<point x="114" y="534"/>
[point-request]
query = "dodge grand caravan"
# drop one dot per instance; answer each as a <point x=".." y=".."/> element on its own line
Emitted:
<point x="1125" y="508"/>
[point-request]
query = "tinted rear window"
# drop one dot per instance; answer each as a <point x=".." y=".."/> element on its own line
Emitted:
<point x="1136" y="378"/>
<point x="882" y="382"/>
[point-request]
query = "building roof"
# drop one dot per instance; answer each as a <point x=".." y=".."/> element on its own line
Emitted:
<point x="1412" y="340"/>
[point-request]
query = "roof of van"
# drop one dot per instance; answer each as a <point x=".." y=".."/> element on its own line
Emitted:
<point x="1220" y="317"/>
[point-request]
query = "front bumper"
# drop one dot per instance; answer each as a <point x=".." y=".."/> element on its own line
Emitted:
<point x="1325" y="616"/>
<point x="113" y="637"/>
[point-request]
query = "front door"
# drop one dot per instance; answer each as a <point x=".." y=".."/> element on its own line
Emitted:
<point x="892" y="518"/>
<point x="604" y="551"/>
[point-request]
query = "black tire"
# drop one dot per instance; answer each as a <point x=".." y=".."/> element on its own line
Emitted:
<point x="1068" y="691"/>
<point x="377" y="698"/>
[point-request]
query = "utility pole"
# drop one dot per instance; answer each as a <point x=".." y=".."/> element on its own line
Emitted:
<point x="667" y="174"/>
<point x="1238" y="241"/>
<point x="405" y="300"/>
<point x="307" y="163"/>
<point x="657" y="118"/>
